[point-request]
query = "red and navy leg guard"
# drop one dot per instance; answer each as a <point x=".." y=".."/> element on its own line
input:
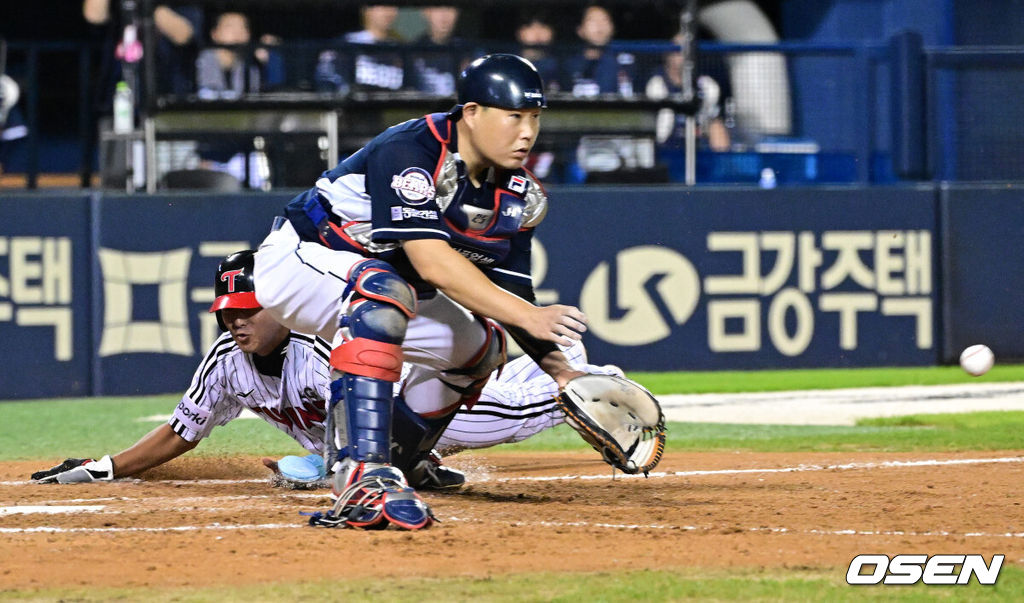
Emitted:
<point x="371" y="359"/>
<point x="413" y="435"/>
<point x="368" y="410"/>
<point x="366" y="388"/>
<point x="377" y="280"/>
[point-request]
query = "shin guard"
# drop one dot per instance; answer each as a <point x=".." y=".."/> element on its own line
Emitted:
<point x="367" y="402"/>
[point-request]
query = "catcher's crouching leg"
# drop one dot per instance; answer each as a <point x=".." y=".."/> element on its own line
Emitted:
<point x="412" y="439"/>
<point x="619" y="418"/>
<point x="416" y="435"/>
<point x="371" y="493"/>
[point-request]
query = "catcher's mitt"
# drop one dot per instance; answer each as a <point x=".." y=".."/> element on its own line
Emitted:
<point x="619" y="418"/>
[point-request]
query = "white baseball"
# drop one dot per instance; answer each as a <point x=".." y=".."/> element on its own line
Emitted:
<point x="977" y="359"/>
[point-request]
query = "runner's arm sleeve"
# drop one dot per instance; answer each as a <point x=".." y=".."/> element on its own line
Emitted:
<point x="206" y="403"/>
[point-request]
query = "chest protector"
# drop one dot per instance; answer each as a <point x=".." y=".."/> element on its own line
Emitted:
<point x="482" y="221"/>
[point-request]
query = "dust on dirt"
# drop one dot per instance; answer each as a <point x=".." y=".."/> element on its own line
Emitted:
<point x="203" y="521"/>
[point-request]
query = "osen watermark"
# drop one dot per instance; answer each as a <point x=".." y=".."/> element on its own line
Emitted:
<point x="934" y="569"/>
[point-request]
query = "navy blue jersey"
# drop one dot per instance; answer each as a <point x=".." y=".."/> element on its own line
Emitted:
<point x="408" y="183"/>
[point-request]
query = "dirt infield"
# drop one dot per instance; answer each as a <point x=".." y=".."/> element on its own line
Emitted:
<point x="201" y="521"/>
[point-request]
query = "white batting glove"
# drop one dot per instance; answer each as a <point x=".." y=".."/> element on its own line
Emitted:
<point x="77" y="471"/>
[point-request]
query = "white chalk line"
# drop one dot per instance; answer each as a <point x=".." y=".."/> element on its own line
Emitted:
<point x="798" y="468"/>
<point x="50" y="509"/>
<point x="53" y="507"/>
<point x="725" y="530"/>
<point x="104" y="510"/>
<point x="113" y="530"/>
<point x="618" y="476"/>
<point x="184" y="499"/>
<point x="173" y="482"/>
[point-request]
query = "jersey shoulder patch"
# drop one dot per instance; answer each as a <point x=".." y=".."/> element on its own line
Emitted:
<point x="414" y="185"/>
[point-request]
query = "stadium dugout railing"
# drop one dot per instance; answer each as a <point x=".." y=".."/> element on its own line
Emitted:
<point x="844" y="141"/>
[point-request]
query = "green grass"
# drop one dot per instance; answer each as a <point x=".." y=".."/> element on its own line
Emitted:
<point x="637" y="585"/>
<point x="53" y="429"/>
<point x="995" y="430"/>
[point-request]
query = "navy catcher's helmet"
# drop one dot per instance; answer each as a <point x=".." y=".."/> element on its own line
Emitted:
<point x="506" y="81"/>
<point x="234" y="287"/>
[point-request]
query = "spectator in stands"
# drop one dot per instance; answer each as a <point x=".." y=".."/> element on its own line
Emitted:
<point x="374" y="69"/>
<point x="440" y="60"/>
<point x="597" y="70"/>
<point x="227" y="71"/>
<point x="175" y="51"/>
<point x="233" y="68"/>
<point x="535" y="35"/>
<point x="378" y="24"/>
<point x="12" y="127"/>
<point x="668" y="80"/>
<point x="119" y="39"/>
<point x="759" y="80"/>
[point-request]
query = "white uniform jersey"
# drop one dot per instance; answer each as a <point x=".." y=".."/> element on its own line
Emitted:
<point x="518" y="403"/>
<point x="289" y="391"/>
<point x="515" y="404"/>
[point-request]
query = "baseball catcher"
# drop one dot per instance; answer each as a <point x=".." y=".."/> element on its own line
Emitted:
<point x="619" y="418"/>
<point x="249" y="366"/>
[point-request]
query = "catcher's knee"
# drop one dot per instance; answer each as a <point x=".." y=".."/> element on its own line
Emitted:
<point x="376" y="317"/>
<point x="376" y="287"/>
<point x="491" y="356"/>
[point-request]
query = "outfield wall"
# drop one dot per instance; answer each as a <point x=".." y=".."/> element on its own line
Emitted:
<point x="107" y="294"/>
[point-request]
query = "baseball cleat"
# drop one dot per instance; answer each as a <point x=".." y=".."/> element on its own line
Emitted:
<point x="371" y="496"/>
<point x="428" y="473"/>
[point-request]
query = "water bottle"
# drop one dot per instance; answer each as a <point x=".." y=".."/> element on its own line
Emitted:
<point x="124" y="112"/>
<point x="767" y="178"/>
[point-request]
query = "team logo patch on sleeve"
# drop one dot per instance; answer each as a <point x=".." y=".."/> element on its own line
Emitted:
<point x="517" y="184"/>
<point x="414" y="185"/>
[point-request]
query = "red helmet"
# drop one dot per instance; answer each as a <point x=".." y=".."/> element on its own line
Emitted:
<point x="234" y="286"/>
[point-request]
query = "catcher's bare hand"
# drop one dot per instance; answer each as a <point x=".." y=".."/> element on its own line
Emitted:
<point x="558" y="323"/>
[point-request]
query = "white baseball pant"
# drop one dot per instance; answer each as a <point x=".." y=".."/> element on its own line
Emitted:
<point x="302" y="283"/>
